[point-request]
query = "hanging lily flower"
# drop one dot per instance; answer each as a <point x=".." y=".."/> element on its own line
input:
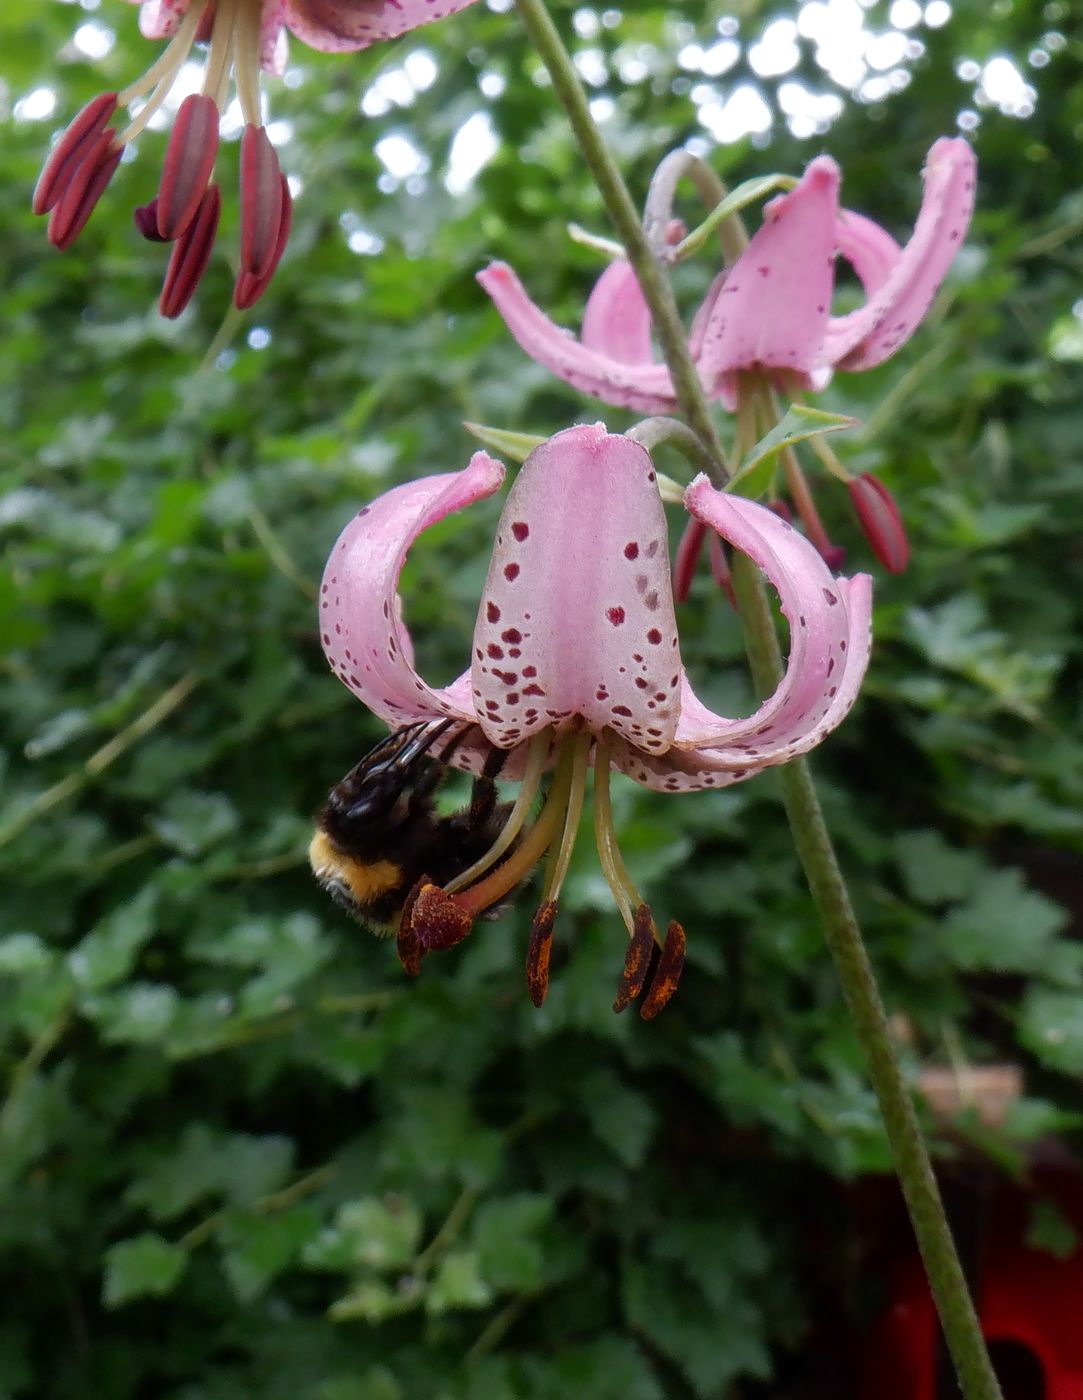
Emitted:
<point x="243" y="36"/>
<point x="771" y="311"/>
<point x="576" y="664"/>
<point x="767" y="319"/>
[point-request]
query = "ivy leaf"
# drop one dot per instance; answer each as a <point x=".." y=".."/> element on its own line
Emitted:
<point x="145" y="1266"/>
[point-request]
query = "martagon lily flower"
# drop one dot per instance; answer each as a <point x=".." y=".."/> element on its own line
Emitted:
<point x="767" y="319"/>
<point x="243" y="37"/>
<point x="770" y="313"/>
<point x="576" y="664"/>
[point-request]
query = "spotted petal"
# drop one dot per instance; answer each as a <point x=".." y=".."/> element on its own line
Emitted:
<point x="364" y="636"/>
<point x="158" y="19"/>
<point x="772" y="310"/>
<point x="644" y="386"/>
<point x="334" y="26"/>
<point x="829" y="641"/>
<point x="875" y="331"/>
<point x="577" y="619"/>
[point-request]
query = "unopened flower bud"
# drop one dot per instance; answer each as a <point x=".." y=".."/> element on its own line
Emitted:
<point x="881" y="521"/>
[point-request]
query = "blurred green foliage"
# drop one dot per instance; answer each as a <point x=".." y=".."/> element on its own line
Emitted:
<point x="240" y="1155"/>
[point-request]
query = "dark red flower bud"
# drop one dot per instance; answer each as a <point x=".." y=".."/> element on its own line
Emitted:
<point x="881" y="522"/>
<point x="71" y="150"/>
<point x="191" y="253"/>
<point x="189" y="160"/>
<point x="249" y="289"/>
<point x="85" y="187"/>
<point x="261" y="201"/>
<point x="687" y="557"/>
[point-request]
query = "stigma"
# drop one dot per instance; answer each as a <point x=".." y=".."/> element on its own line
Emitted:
<point x="437" y="917"/>
<point x="186" y="209"/>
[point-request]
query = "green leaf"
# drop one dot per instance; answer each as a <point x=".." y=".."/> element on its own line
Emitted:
<point x="508" y="1237"/>
<point x="458" y="1283"/>
<point x="108" y="953"/>
<point x="516" y="446"/>
<point x="754" y="475"/>
<point x="374" y="1232"/>
<point x="257" y="1248"/>
<point x="145" y="1266"/>
<point x="620" y="1117"/>
<point x="746" y="193"/>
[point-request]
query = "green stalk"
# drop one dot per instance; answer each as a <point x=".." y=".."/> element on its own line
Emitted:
<point x="962" y="1330"/>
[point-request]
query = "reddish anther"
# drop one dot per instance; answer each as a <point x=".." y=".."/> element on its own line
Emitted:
<point x="881" y="521"/>
<point x="249" y="289"/>
<point x="781" y="509"/>
<point x="539" y="950"/>
<point x="637" y="960"/>
<point x="437" y="919"/>
<point x="191" y="253"/>
<point x="407" y="944"/>
<point x="145" y="218"/>
<point x="261" y="202"/>
<point x="206" y="23"/>
<point x="70" y="151"/>
<point x="85" y="188"/>
<point x="667" y="973"/>
<point x="189" y="160"/>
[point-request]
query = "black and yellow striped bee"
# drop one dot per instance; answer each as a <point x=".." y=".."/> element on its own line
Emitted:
<point x="380" y="831"/>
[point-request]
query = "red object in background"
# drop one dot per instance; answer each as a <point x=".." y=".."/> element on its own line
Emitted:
<point x="1031" y="1309"/>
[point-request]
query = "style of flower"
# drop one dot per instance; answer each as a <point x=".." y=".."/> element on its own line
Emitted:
<point x="770" y="313"/>
<point x="243" y="37"/>
<point x="576" y="664"/>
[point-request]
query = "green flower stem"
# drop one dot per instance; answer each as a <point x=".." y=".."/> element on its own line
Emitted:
<point x="959" y="1320"/>
<point x="653" y="432"/>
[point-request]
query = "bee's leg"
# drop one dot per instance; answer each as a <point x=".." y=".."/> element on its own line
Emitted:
<point x="483" y="793"/>
<point x="423" y="787"/>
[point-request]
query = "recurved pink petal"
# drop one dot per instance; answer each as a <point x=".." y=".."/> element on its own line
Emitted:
<point x="616" y="320"/>
<point x="829" y="641"/>
<point x="361" y="625"/>
<point x="647" y="388"/>
<point x="577" y="614"/>
<point x="773" y="307"/>
<point x="869" y="249"/>
<point x="875" y="331"/>
<point x="333" y="26"/>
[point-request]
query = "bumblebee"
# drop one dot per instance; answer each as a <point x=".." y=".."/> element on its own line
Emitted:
<point x="380" y="831"/>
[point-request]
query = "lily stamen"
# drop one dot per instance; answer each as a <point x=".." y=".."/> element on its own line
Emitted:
<point x="528" y="790"/>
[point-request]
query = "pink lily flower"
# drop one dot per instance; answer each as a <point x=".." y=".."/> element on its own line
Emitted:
<point x="771" y="312"/>
<point x="576" y="664"/>
<point x="243" y="37"/>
